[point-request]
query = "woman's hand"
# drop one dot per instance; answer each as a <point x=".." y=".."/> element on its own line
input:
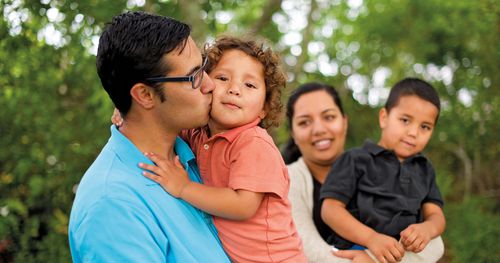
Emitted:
<point x="357" y="256"/>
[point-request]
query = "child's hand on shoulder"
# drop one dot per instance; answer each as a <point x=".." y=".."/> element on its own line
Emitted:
<point x="415" y="237"/>
<point x="171" y="175"/>
<point x="385" y="248"/>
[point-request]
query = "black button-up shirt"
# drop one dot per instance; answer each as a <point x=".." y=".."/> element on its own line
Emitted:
<point x="379" y="190"/>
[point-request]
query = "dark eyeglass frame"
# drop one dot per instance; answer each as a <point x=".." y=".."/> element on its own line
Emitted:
<point x="191" y="78"/>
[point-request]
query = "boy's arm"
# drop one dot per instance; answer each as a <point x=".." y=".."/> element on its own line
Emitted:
<point x="217" y="201"/>
<point x="335" y="215"/>
<point x="416" y="236"/>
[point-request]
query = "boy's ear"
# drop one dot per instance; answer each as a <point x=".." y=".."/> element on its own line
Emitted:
<point x="382" y="118"/>
<point x="143" y="95"/>
<point x="262" y="114"/>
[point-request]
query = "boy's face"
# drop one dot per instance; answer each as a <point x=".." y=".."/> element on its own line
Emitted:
<point x="240" y="91"/>
<point x="407" y="128"/>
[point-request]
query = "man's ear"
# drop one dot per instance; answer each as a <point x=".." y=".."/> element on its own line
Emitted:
<point x="382" y="118"/>
<point x="143" y="95"/>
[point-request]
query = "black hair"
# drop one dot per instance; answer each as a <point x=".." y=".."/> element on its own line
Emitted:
<point x="413" y="86"/>
<point x="131" y="49"/>
<point x="291" y="151"/>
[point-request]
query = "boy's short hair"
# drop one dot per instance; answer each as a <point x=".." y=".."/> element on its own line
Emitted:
<point x="274" y="76"/>
<point x="131" y="49"/>
<point x="413" y="86"/>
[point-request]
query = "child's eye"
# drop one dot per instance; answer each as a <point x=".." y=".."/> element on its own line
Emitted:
<point x="222" y="78"/>
<point x="426" y="127"/>
<point x="405" y="120"/>
<point x="250" y="85"/>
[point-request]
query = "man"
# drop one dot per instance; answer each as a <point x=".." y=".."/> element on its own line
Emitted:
<point x="119" y="215"/>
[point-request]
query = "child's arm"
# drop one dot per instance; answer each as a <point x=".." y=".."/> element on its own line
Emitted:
<point x="221" y="202"/>
<point x="383" y="247"/>
<point x="416" y="236"/>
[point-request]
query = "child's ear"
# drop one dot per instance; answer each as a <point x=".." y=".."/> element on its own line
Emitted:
<point x="262" y="114"/>
<point x="382" y="118"/>
<point x="143" y="95"/>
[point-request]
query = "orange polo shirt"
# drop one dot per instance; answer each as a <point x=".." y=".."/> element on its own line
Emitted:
<point x="247" y="158"/>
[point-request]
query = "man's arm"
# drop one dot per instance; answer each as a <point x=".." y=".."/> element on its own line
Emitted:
<point x="385" y="248"/>
<point x="222" y="202"/>
<point x="116" y="231"/>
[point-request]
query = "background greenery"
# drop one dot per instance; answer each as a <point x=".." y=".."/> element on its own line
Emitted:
<point x="54" y="115"/>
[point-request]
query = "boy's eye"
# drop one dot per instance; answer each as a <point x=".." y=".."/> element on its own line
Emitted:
<point x="222" y="78"/>
<point x="250" y="85"/>
<point x="426" y="127"/>
<point x="405" y="120"/>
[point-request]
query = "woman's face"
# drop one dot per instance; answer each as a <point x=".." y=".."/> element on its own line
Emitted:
<point x="318" y="128"/>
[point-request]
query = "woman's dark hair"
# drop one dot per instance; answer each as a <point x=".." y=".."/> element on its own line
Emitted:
<point x="291" y="151"/>
<point x="131" y="49"/>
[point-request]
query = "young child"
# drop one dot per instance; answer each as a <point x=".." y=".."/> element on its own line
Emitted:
<point x="246" y="182"/>
<point x="385" y="192"/>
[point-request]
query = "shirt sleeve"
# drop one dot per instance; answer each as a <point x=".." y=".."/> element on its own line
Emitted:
<point x="256" y="165"/>
<point x="434" y="195"/>
<point x="315" y="248"/>
<point x="341" y="182"/>
<point x="115" y="231"/>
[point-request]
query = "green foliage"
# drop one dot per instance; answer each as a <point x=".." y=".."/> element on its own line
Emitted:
<point x="55" y="115"/>
<point x="472" y="231"/>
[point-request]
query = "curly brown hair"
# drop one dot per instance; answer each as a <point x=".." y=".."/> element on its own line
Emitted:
<point x="274" y="76"/>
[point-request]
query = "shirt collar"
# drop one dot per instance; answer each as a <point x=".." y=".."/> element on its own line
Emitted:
<point x="129" y="154"/>
<point x="230" y="135"/>
<point x="376" y="149"/>
<point x="183" y="151"/>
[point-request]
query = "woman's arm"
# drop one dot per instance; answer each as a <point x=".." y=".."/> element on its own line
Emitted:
<point x="315" y="248"/>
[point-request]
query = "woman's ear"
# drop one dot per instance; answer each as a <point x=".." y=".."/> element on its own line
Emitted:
<point x="143" y="95"/>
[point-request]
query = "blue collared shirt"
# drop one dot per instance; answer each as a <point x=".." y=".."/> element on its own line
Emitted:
<point x="121" y="216"/>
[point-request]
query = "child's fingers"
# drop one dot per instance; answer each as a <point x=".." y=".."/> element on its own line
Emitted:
<point x="177" y="162"/>
<point x="153" y="177"/>
<point x="153" y="168"/>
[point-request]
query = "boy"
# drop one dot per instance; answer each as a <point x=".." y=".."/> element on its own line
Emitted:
<point x="385" y="192"/>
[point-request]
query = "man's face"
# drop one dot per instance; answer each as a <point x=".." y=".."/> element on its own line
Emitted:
<point x="185" y="107"/>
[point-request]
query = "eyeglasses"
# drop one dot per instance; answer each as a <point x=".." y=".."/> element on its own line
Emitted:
<point x="196" y="78"/>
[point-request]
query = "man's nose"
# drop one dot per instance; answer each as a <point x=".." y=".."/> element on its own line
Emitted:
<point x="208" y="84"/>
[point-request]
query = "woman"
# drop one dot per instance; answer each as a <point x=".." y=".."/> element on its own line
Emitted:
<point x="318" y="127"/>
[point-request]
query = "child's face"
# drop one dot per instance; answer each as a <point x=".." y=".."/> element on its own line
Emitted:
<point x="407" y="128"/>
<point x="240" y="91"/>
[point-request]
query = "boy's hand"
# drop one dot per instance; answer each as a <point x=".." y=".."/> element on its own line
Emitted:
<point x="415" y="237"/>
<point x="117" y="119"/>
<point x="385" y="248"/>
<point x="169" y="174"/>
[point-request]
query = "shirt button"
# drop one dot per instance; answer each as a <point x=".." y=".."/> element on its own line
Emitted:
<point x="206" y="146"/>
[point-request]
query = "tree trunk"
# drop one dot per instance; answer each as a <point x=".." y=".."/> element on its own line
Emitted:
<point x="467" y="162"/>
<point x="272" y="7"/>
